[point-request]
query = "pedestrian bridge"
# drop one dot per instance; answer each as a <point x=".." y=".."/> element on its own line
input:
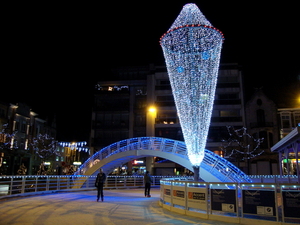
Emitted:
<point x="212" y="169"/>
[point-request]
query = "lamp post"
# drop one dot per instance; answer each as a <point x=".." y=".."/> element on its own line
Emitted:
<point x="150" y="132"/>
<point x="150" y="120"/>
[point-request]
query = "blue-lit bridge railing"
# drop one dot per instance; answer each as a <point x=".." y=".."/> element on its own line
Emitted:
<point x="213" y="167"/>
<point x="28" y="185"/>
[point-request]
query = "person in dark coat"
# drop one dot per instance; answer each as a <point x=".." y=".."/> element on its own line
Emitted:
<point x="100" y="180"/>
<point x="147" y="182"/>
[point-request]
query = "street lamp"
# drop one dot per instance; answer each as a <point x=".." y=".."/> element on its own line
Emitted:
<point x="150" y="132"/>
<point x="152" y="109"/>
<point x="151" y="116"/>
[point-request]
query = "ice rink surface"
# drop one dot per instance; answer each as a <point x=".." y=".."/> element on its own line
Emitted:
<point x="120" y="207"/>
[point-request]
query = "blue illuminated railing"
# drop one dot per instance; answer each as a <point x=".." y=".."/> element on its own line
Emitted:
<point x="216" y="165"/>
<point x="29" y="185"/>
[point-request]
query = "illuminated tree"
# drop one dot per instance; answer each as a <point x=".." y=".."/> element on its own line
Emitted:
<point x="8" y="147"/>
<point x="192" y="48"/>
<point x="7" y="139"/>
<point x="241" y="146"/>
<point x="45" y="147"/>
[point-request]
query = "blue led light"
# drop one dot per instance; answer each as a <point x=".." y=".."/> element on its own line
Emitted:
<point x="180" y="69"/>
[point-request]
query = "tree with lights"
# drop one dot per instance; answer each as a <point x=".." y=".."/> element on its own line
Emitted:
<point x="45" y="147"/>
<point x="8" y="147"/>
<point x="192" y="49"/>
<point x="241" y="146"/>
<point x="22" y="170"/>
<point x="7" y="138"/>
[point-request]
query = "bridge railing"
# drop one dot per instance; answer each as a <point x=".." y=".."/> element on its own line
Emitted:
<point x="108" y="151"/>
<point x="138" y="143"/>
<point x="25" y="185"/>
<point x="28" y="185"/>
<point x="214" y="164"/>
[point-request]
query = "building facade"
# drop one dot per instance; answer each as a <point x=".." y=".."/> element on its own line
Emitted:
<point x="119" y="111"/>
<point x="139" y="102"/>
<point x="288" y="147"/>
<point x="261" y="122"/>
<point x="228" y="107"/>
<point x="22" y="124"/>
<point x="71" y="156"/>
<point x="289" y="118"/>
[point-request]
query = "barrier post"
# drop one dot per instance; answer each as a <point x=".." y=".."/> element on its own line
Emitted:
<point x="125" y="181"/>
<point x="36" y="183"/>
<point x="58" y="183"/>
<point x="23" y="185"/>
<point x="11" y="186"/>
<point x="47" y="183"/>
<point x="87" y="182"/>
<point x="68" y="183"/>
<point x="106" y="182"/>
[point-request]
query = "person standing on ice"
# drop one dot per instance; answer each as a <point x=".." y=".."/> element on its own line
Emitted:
<point x="147" y="182"/>
<point x="100" y="180"/>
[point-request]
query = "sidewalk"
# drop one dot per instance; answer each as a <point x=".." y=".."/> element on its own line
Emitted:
<point x="120" y="207"/>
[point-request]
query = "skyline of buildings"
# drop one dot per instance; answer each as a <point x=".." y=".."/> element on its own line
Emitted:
<point x="21" y="131"/>
<point x="121" y="110"/>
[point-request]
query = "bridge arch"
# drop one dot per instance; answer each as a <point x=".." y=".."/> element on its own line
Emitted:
<point x="213" y="168"/>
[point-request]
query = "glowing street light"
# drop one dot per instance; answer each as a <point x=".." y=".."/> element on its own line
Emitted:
<point x="152" y="109"/>
<point x="151" y="116"/>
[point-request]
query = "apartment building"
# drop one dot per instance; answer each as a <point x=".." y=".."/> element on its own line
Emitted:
<point x="19" y="120"/>
<point x="139" y="102"/>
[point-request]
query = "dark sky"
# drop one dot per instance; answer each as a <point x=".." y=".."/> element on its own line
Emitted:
<point x="55" y="53"/>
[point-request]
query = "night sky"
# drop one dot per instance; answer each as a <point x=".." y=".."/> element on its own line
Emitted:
<point x="55" y="53"/>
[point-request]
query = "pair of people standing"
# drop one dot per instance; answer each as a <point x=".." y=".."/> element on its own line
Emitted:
<point x="101" y="177"/>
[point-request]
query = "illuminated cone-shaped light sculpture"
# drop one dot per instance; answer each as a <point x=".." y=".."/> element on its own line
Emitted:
<point x="192" y="48"/>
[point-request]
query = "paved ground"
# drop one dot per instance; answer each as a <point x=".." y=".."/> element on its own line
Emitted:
<point x="120" y="207"/>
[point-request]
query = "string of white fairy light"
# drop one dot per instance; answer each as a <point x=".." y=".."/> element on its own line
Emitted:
<point x="234" y="143"/>
<point x="192" y="48"/>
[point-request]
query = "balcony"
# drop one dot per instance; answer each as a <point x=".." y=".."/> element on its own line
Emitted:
<point x="226" y="119"/>
<point x="169" y="120"/>
<point x="261" y="124"/>
<point x="227" y="102"/>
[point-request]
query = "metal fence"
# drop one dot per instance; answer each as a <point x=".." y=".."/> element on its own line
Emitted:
<point x="274" y="179"/>
<point x="243" y="203"/>
<point x="232" y="202"/>
<point x="27" y="185"/>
